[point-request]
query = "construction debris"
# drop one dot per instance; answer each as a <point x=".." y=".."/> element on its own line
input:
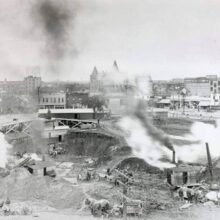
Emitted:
<point x="21" y="208"/>
<point x="185" y="206"/>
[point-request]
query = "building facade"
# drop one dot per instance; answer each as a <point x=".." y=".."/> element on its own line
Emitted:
<point x="32" y="84"/>
<point x="165" y="88"/>
<point x="12" y="87"/>
<point x="198" y="86"/>
<point x="52" y="100"/>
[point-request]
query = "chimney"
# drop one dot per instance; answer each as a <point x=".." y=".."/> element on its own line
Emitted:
<point x="174" y="157"/>
<point x="209" y="161"/>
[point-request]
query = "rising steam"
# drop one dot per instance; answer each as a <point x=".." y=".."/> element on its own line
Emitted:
<point x="203" y="133"/>
<point x="146" y="141"/>
<point x="143" y="145"/>
<point x="4" y="147"/>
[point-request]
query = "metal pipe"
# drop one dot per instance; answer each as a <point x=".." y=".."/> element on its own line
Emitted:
<point x="209" y="161"/>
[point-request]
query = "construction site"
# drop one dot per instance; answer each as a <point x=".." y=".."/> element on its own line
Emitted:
<point x="88" y="169"/>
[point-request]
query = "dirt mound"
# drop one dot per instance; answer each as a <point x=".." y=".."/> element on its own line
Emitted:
<point x="22" y="186"/>
<point x="136" y="164"/>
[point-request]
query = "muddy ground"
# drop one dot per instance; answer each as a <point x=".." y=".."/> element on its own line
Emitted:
<point x="60" y="194"/>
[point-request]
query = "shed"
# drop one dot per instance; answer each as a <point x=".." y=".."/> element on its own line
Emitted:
<point x="164" y="103"/>
<point x="184" y="174"/>
<point x="40" y="167"/>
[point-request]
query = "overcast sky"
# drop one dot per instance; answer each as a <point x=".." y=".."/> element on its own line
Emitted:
<point x="163" y="38"/>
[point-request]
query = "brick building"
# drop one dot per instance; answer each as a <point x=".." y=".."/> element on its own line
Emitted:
<point x="52" y="100"/>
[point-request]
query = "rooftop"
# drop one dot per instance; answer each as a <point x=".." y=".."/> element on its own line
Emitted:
<point x="66" y="110"/>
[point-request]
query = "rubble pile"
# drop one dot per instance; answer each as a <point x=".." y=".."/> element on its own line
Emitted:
<point x="16" y="208"/>
<point x="58" y="194"/>
<point x="207" y="195"/>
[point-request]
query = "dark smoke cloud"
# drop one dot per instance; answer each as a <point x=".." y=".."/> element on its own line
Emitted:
<point x="157" y="135"/>
<point x="56" y="20"/>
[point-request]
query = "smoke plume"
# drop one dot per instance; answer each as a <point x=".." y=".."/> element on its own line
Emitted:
<point x="156" y="134"/>
<point x="5" y="146"/>
<point x="56" y="20"/>
<point x="39" y="143"/>
<point x="144" y="145"/>
<point x="202" y="132"/>
<point x="146" y="141"/>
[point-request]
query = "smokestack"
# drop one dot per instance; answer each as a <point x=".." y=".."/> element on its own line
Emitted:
<point x="174" y="157"/>
<point x="209" y="161"/>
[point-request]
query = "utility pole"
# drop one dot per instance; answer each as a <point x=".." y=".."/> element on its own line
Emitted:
<point x="124" y="203"/>
<point x="183" y="93"/>
<point x="38" y="95"/>
<point x="209" y="161"/>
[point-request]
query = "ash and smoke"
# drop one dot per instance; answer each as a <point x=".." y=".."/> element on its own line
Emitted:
<point x="144" y="145"/>
<point x="39" y="142"/>
<point x="156" y="134"/>
<point x="146" y="141"/>
<point x="57" y="20"/>
<point x="5" y="147"/>
<point x="203" y="133"/>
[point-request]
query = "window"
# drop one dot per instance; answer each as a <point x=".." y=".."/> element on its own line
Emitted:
<point x="211" y="82"/>
<point x="211" y="89"/>
<point x="43" y="99"/>
<point x="63" y="100"/>
<point x="58" y="100"/>
<point x="219" y="83"/>
<point x="214" y="84"/>
<point x="54" y="100"/>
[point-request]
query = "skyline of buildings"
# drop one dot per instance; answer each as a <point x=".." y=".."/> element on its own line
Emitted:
<point x="113" y="83"/>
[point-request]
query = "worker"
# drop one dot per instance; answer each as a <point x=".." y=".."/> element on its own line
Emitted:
<point x="116" y="182"/>
<point x="108" y="171"/>
<point x="88" y="176"/>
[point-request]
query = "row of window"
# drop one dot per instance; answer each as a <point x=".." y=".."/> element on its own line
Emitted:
<point x="215" y="90"/>
<point x="54" y="100"/>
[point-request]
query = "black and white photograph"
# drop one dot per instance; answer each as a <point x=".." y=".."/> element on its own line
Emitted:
<point x="109" y="109"/>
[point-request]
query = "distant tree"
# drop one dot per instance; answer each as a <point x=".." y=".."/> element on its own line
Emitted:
<point x="17" y="104"/>
<point x="97" y="103"/>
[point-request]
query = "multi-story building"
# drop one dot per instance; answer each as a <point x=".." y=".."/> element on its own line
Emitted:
<point x="199" y="86"/>
<point x="202" y="86"/>
<point x="32" y="84"/>
<point x="113" y="87"/>
<point x="214" y="84"/>
<point x="52" y="100"/>
<point x="12" y="87"/>
<point x="165" y="88"/>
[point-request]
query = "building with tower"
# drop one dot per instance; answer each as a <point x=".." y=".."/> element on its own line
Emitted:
<point x="113" y="86"/>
